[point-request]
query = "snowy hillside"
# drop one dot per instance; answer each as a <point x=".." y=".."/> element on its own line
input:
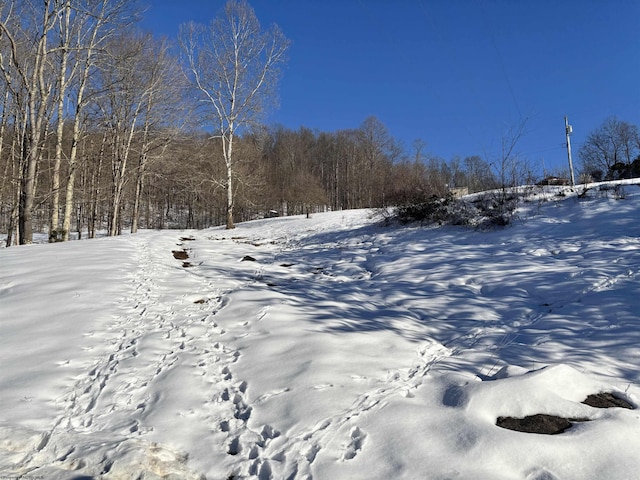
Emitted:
<point x="327" y="348"/>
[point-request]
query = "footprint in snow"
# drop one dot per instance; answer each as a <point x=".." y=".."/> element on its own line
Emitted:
<point x="242" y="410"/>
<point x="356" y="441"/>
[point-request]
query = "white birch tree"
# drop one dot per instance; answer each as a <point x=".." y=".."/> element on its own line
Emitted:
<point x="25" y="31"/>
<point x="234" y="64"/>
<point x="96" y="22"/>
<point x="46" y="56"/>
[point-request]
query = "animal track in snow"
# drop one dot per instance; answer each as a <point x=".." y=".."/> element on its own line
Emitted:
<point x="297" y="454"/>
<point x="356" y="441"/>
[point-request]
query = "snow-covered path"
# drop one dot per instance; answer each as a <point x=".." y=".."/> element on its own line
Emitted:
<point x="325" y="348"/>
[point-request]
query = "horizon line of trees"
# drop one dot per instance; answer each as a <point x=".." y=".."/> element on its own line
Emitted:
<point x="611" y="151"/>
<point x="101" y="128"/>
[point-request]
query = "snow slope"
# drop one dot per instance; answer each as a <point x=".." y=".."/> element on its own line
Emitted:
<point x="339" y="350"/>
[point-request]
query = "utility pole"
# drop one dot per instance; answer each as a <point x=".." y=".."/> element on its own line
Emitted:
<point x="568" y="131"/>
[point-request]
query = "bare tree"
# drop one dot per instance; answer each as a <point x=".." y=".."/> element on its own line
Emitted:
<point x="478" y="173"/>
<point x="610" y="149"/>
<point x="26" y="29"/>
<point x="122" y="109"/>
<point x="64" y="38"/>
<point x="379" y="150"/>
<point x="94" y="22"/>
<point x="235" y="65"/>
<point x="507" y="163"/>
<point x="511" y="171"/>
<point x="48" y="48"/>
<point x="161" y="84"/>
<point x="6" y="109"/>
<point x="294" y="171"/>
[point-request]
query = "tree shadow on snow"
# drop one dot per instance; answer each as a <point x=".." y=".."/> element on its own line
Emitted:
<point x="504" y="299"/>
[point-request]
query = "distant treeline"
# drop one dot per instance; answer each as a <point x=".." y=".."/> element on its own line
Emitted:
<point x="282" y="170"/>
<point x="101" y="128"/>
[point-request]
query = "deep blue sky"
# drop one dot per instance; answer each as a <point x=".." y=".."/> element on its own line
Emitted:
<point x="457" y="74"/>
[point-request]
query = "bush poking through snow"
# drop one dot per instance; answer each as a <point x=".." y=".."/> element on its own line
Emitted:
<point x="485" y="210"/>
<point x="432" y="210"/>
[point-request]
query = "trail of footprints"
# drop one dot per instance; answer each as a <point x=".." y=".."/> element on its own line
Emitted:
<point x="263" y="453"/>
<point x="293" y="457"/>
<point x="228" y="407"/>
<point x="139" y="372"/>
<point x="243" y="442"/>
<point x="115" y="389"/>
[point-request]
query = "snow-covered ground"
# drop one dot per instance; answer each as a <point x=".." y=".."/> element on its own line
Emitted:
<point x="340" y="350"/>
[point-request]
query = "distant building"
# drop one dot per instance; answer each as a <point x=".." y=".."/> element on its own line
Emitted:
<point x="556" y="181"/>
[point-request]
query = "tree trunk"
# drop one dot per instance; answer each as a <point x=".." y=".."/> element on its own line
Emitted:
<point x="13" y="218"/>
<point x="62" y="85"/>
<point x="228" y="150"/>
<point x="135" y="216"/>
<point x="230" y="224"/>
<point x="27" y="191"/>
<point x="3" y="125"/>
<point x="71" y="179"/>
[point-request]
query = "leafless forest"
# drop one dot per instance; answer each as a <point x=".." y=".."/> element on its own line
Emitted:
<point x="107" y="128"/>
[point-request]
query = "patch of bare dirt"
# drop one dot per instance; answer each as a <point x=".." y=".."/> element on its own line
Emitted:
<point x="180" y="254"/>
